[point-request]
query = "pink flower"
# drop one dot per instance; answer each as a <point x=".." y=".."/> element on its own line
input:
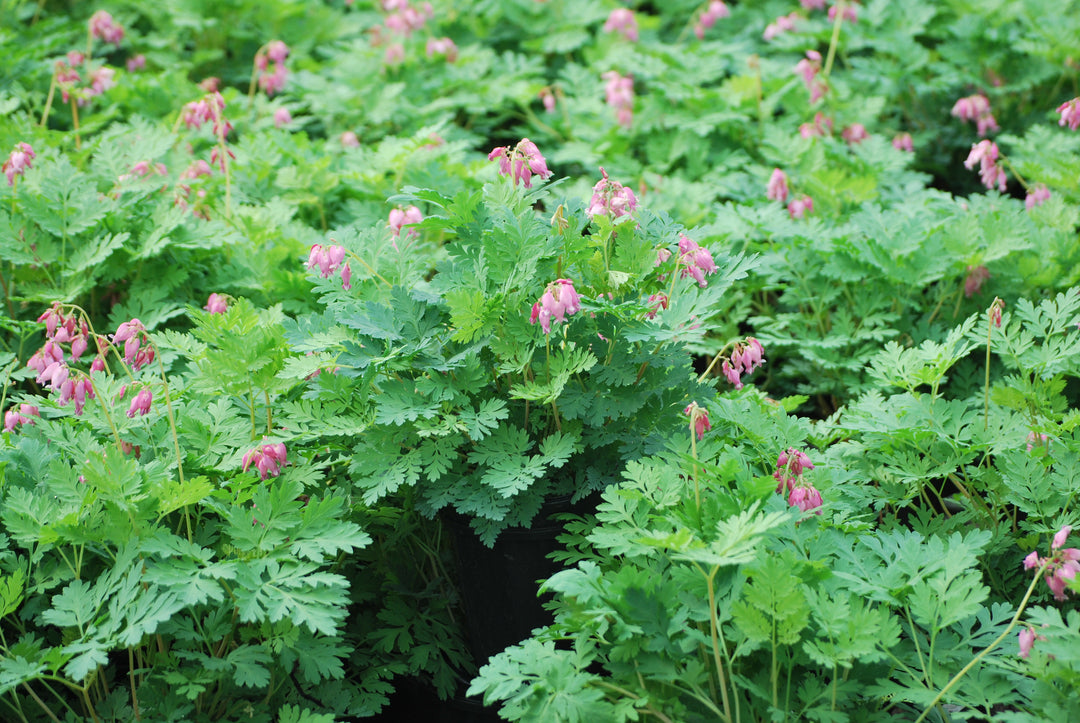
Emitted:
<point x="806" y="498"/>
<point x="699" y="419"/>
<point x="1038" y="440"/>
<point x="790" y="465"/>
<point x="1031" y="561"/>
<point x="619" y="92"/>
<point x="975" y="278"/>
<point x="442" y="46"/>
<point x="267" y="458"/>
<point x="812" y="4"/>
<point x="977" y="108"/>
<point x="558" y="301"/>
<point x="19" y="160"/>
<point x="282" y="117"/>
<point x="1037" y="196"/>
<point x="746" y="356"/>
<point x="1027" y="638"/>
<point x="1070" y="114"/>
<point x="849" y="12"/>
<point x="399" y="219"/>
<point x="346" y="277"/>
<point x="548" y="99"/>
<point x="277" y="51"/>
<point x="694" y="260"/>
<point x="657" y="302"/>
<point x="799" y="207"/>
<point x="716" y="10"/>
<point x="854" y="133"/>
<point x="821" y="126"/>
<point x="272" y="82"/>
<point x="808" y="68"/>
<point x="103" y="26"/>
<point x="986" y="154"/>
<point x="1060" y="536"/>
<point x="137" y="62"/>
<point x="216" y="304"/>
<point x="22" y="415"/>
<point x="777" y="189"/>
<point x="141" y="403"/>
<point x="783" y="24"/>
<point x="521" y="163"/>
<point x="622" y="20"/>
<point x="903" y="142"/>
<point x="395" y="54"/>
<point x="610" y="198"/>
<point x="1060" y="567"/>
<point x="349" y="140"/>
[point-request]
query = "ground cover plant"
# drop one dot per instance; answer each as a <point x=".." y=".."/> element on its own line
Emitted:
<point x="294" y="291"/>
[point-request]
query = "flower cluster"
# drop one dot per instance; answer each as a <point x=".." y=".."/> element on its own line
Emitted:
<point x="1027" y="638"/>
<point x="99" y="79"/>
<point x="208" y="109"/>
<point x="622" y="21"/>
<point x="272" y="80"/>
<point x="1070" y="114"/>
<point x="812" y="4"/>
<point x="977" y="108"/>
<point x="21" y="415"/>
<point x="104" y="27"/>
<point x="19" y="160"/>
<point x="716" y="10"/>
<point x="783" y="24"/>
<point x="216" y="304"/>
<point x="521" y="162"/>
<point x="789" y="476"/>
<point x="404" y="19"/>
<point x="745" y="358"/>
<point x="558" y="301"/>
<point x="854" y="133"/>
<point x="400" y="218"/>
<point x="49" y="363"/>
<point x="282" y="117"/>
<point x="619" y="92"/>
<point x="849" y="12"/>
<point x="610" y="198"/>
<point x="141" y="403"/>
<point x="133" y="334"/>
<point x="1061" y="566"/>
<point x="699" y="420"/>
<point x="903" y="142"/>
<point x="986" y="154"/>
<point x="976" y="276"/>
<point x="694" y="261"/>
<point x="822" y="126"/>
<point x="777" y="188"/>
<point x="809" y="68"/>
<point x="1037" y="439"/>
<point x="801" y="206"/>
<point x="328" y="259"/>
<point x="267" y="458"/>
<point x="442" y="46"/>
<point x="1037" y="196"/>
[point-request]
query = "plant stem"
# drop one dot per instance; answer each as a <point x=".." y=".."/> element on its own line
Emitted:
<point x="974" y="661"/>
<point x="40" y="702"/>
<point x="714" y="627"/>
<point x="75" y="120"/>
<point x="839" y="7"/>
<point x="48" y="101"/>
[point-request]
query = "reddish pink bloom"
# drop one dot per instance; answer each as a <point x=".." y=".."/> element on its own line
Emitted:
<point x="716" y="10"/>
<point x="699" y="419"/>
<point x="19" y="160"/>
<point x="799" y="207"/>
<point x="1061" y="566"/>
<point x="854" y="133"/>
<point x="977" y="275"/>
<point x="821" y="126"/>
<point x="694" y="261"/>
<point x="812" y="4"/>
<point x="21" y="415"/>
<point x="521" y="163"/>
<point x="783" y="24"/>
<point x="619" y="92"/>
<point x="849" y="12"/>
<point x="1070" y="114"/>
<point x="141" y="403"/>
<point x="216" y="304"/>
<point x="622" y="21"/>
<point x="277" y="51"/>
<point x="548" y="99"/>
<point x="558" y="301"/>
<point x="348" y="139"/>
<point x="1037" y="196"/>
<point x="1027" y="638"/>
<point x="267" y="458"/>
<point x="346" y="277"/>
<point x="977" y="108"/>
<point x="395" y="54"/>
<point x="777" y="188"/>
<point x="103" y="26"/>
<point x="986" y="154"/>
<point x="442" y="46"/>
<point x="610" y="198"/>
<point x="282" y="117"/>
<point x="657" y="302"/>
<point x="745" y="357"/>
<point x="903" y="142"/>
<point x="806" y="498"/>
<point x="399" y="219"/>
<point x="136" y="62"/>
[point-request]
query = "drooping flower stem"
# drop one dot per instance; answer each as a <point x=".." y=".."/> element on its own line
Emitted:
<point x="48" y="101"/>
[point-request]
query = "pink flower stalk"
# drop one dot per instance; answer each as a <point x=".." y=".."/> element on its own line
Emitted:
<point x="619" y="91"/>
<point x="346" y="277"/>
<point x="977" y="108"/>
<point x="132" y="334"/>
<point x="783" y="24"/>
<point x="657" y="302"/>
<point x="854" y="133"/>
<point x="141" y="403"/>
<point x="610" y="198"/>
<point x="521" y="163"/>
<point x="806" y="498"/>
<point x="1037" y="196"/>
<point x="548" y="99"/>
<point x="1070" y="114"/>
<point x="442" y="46"/>
<point x="104" y="27"/>
<point x="558" y="301"/>
<point x="975" y="278"/>
<point x="19" y="160"/>
<point x="822" y="125"/>
<point x="799" y="207"/>
<point x="995" y="311"/>
<point x="694" y="261"/>
<point x="209" y="109"/>
<point x="746" y="356"/>
<point x="1061" y="566"/>
<point x="216" y="304"/>
<point x="790" y="465"/>
<point x="77" y="389"/>
<point x="903" y="142"/>
<point x="267" y="458"/>
<point x="986" y="154"/>
<point x="21" y="415"/>
<point x="662" y="256"/>
<point x="849" y="12"/>
<point x="622" y="21"/>
<point x="716" y="10"/>
<point x="277" y="51"/>
<point x="699" y="420"/>
<point x="399" y="219"/>
<point x="777" y="189"/>
<point x="808" y="68"/>
<point x="1026" y="640"/>
<point x="136" y="62"/>
<point x="282" y="117"/>
<point x="348" y="139"/>
<point x="812" y="4"/>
